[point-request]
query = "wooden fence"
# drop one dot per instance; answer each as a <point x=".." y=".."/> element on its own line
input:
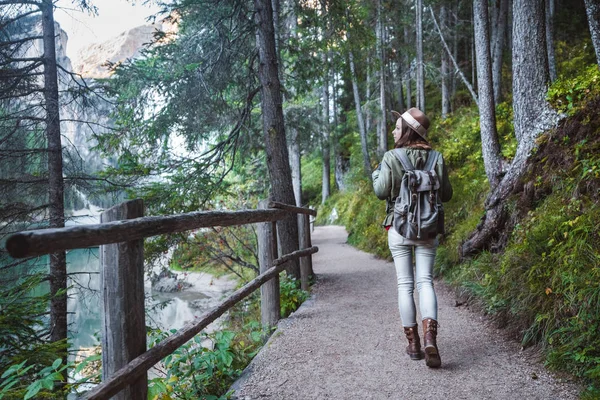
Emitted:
<point x="120" y="236"/>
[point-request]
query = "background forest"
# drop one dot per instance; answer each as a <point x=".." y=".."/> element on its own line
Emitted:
<point x="236" y="101"/>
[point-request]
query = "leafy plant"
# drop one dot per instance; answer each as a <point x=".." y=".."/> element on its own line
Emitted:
<point x="291" y="296"/>
<point x="206" y="366"/>
<point x="46" y="378"/>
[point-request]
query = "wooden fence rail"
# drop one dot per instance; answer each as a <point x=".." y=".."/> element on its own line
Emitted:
<point x="125" y="361"/>
<point x="45" y="241"/>
<point x="133" y="370"/>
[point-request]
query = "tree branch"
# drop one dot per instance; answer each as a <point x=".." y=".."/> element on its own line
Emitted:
<point x="462" y="76"/>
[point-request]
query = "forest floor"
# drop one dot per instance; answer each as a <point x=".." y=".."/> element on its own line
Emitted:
<point x="346" y="342"/>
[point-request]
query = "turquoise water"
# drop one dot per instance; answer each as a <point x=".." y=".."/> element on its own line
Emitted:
<point x="85" y="301"/>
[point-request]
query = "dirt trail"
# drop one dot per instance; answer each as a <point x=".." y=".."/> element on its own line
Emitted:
<point x="346" y="343"/>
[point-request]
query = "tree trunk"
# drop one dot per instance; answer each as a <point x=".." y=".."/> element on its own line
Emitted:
<point x="408" y="69"/>
<point x="549" y="8"/>
<point x="487" y="112"/>
<point x="532" y="114"/>
<point x="273" y="129"/>
<point x="400" y="61"/>
<point x="326" y="184"/>
<point x="277" y="32"/>
<point x="58" y="262"/>
<point x="493" y="6"/>
<point x="359" y="117"/>
<point x="419" y="44"/>
<point x="445" y="67"/>
<point x="473" y="68"/>
<point x="295" y="163"/>
<point x="381" y="133"/>
<point x="341" y="166"/>
<point x="498" y="49"/>
<point x="408" y="89"/>
<point x="454" y="48"/>
<point x="368" y="96"/>
<point x="592" y="9"/>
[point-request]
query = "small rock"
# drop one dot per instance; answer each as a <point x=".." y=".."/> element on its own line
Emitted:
<point x="534" y="375"/>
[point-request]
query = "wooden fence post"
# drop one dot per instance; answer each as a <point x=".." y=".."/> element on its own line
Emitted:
<point x="304" y="261"/>
<point x="270" y="306"/>
<point x="308" y="242"/>
<point x="124" y="323"/>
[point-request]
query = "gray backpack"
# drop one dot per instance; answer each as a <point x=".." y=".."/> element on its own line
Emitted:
<point x="418" y="211"/>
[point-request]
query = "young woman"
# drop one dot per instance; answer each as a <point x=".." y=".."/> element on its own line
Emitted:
<point x="411" y="135"/>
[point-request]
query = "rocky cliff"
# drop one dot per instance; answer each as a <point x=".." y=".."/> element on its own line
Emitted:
<point x="91" y="62"/>
<point x="82" y="118"/>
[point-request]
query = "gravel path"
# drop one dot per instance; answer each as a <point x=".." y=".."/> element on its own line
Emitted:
<point x="346" y="343"/>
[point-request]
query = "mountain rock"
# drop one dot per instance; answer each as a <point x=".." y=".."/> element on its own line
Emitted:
<point x="92" y="61"/>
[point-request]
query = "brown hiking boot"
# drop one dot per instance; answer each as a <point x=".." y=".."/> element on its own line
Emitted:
<point x="414" y="342"/>
<point x="432" y="355"/>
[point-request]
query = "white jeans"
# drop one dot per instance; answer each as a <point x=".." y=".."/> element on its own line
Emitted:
<point x="403" y="260"/>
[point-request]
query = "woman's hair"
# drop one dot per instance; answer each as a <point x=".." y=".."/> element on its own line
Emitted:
<point x="410" y="138"/>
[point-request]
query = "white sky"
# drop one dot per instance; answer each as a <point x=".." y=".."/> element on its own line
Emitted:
<point x="114" y="17"/>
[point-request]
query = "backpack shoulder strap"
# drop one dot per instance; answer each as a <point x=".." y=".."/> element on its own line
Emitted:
<point x="431" y="160"/>
<point x="403" y="158"/>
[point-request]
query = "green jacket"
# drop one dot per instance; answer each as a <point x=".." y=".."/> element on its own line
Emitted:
<point x="388" y="176"/>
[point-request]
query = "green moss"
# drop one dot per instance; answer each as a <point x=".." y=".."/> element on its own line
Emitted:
<point x="570" y="93"/>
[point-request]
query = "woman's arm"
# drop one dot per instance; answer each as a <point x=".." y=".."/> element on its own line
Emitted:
<point x="442" y="171"/>
<point x="382" y="179"/>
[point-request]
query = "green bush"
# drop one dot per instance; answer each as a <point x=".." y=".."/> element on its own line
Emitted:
<point x="205" y="367"/>
<point x="290" y="295"/>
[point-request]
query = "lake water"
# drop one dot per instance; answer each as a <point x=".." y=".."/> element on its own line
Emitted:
<point x="164" y="310"/>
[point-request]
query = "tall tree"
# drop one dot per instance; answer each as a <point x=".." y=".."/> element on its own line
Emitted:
<point x="487" y="110"/>
<point x="341" y="158"/>
<point x="273" y="129"/>
<point x="401" y="80"/>
<point x="532" y="113"/>
<point x="592" y="9"/>
<point x="296" y="165"/>
<point x="381" y="124"/>
<point x="407" y="60"/>
<point x="294" y="142"/>
<point x="326" y="144"/>
<point x="420" y="66"/>
<point x="498" y="44"/>
<point x="367" y="105"/>
<point x="325" y="125"/>
<point x="58" y="261"/>
<point x="359" y="116"/>
<point x="549" y="10"/>
<point x="445" y="68"/>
